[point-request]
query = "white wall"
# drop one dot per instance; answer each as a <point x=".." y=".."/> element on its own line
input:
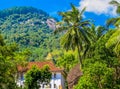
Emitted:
<point x="58" y="80"/>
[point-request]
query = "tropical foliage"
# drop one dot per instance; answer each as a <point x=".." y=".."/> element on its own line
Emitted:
<point x="67" y="60"/>
<point x="101" y="71"/>
<point x="115" y="38"/>
<point x="101" y="62"/>
<point x="73" y="26"/>
<point x="96" y="48"/>
<point x="35" y="76"/>
<point x="9" y="59"/>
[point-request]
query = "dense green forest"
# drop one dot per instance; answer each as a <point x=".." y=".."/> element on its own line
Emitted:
<point x="27" y="27"/>
<point x="26" y="36"/>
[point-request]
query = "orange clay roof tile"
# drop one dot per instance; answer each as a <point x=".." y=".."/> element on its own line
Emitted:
<point x="40" y="65"/>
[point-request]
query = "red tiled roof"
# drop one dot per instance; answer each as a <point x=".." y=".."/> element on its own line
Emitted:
<point x="40" y="65"/>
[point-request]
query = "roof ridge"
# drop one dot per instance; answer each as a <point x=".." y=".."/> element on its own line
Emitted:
<point x="40" y="64"/>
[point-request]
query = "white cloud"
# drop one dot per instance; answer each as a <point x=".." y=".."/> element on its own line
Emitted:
<point x="98" y="7"/>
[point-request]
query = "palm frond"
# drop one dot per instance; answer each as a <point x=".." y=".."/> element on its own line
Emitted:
<point x="85" y="23"/>
<point x="117" y="4"/>
<point x="73" y="7"/>
<point x="114" y="38"/>
<point x="118" y="9"/>
<point x="117" y="23"/>
<point x="60" y="29"/>
<point x="100" y="30"/>
<point x="111" y="21"/>
<point x="84" y="36"/>
<point x="114" y="41"/>
<point x="113" y="2"/>
<point x="66" y="40"/>
<point x="82" y="11"/>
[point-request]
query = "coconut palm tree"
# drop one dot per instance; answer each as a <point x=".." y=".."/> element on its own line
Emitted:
<point x="115" y="38"/>
<point x="115" y="21"/>
<point x="73" y="25"/>
<point x="94" y="33"/>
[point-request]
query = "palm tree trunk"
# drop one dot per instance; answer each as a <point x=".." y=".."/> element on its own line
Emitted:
<point x="79" y="56"/>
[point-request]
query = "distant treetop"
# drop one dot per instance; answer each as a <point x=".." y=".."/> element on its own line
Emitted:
<point x="20" y="10"/>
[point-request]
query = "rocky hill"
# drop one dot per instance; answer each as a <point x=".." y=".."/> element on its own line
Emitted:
<point x="30" y="28"/>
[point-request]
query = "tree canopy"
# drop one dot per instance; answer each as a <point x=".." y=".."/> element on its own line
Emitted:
<point x="35" y="76"/>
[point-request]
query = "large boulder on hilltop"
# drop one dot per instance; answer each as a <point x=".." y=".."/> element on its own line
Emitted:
<point x="51" y="23"/>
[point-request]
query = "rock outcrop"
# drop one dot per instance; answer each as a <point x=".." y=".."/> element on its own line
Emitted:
<point x="51" y="23"/>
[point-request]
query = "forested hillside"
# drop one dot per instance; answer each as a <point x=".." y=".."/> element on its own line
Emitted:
<point x="89" y="54"/>
<point x="28" y="27"/>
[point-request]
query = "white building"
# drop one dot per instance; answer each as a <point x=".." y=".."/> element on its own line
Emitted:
<point x="57" y="80"/>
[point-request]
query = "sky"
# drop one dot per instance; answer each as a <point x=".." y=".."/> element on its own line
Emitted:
<point x="98" y="10"/>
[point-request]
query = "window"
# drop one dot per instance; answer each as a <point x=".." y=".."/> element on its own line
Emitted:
<point x="54" y="75"/>
<point x="21" y="77"/>
<point x="54" y="85"/>
<point x="43" y="86"/>
<point x="49" y="85"/>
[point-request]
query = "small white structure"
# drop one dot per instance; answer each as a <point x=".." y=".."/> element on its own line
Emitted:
<point x="57" y="80"/>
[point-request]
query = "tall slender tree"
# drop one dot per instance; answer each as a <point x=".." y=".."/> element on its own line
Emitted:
<point x="73" y="25"/>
